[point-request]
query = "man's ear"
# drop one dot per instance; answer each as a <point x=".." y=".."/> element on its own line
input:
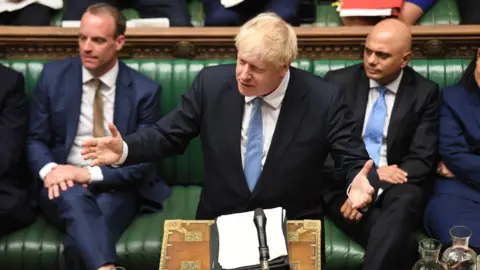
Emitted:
<point x="285" y="68"/>
<point x="120" y="42"/>
<point x="406" y="58"/>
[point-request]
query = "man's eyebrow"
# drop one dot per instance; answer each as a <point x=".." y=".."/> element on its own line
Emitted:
<point x="379" y="52"/>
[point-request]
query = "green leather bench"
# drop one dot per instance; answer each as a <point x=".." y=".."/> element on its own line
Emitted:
<point x="444" y="12"/>
<point x="40" y="245"/>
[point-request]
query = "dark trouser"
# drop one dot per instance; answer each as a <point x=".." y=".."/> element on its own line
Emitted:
<point x="93" y="222"/>
<point x="175" y="10"/>
<point x="31" y="15"/>
<point x="16" y="209"/>
<point x="217" y="15"/>
<point x="469" y="10"/>
<point x="386" y="230"/>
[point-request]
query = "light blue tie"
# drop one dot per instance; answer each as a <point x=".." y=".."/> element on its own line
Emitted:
<point x="374" y="131"/>
<point x="253" y="154"/>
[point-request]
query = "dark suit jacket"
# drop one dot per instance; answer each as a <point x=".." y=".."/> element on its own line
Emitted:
<point x="54" y="115"/>
<point x="459" y="143"/>
<point x="413" y="128"/>
<point x="313" y="122"/>
<point x="15" y="200"/>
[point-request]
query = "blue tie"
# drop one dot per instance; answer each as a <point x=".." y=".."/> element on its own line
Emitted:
<point x="374" y="131"/>
<point x="253" y="154"/>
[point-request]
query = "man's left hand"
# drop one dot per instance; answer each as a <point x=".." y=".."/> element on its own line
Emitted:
<point x="361" y="191"/>
<point x="349" y="213"/>
<point x="80" y="175"/>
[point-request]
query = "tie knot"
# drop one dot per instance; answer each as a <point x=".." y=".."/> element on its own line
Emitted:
<point x="257" y="102"/>
<point x="97" y="83"/>
<point x="382" y="90"/>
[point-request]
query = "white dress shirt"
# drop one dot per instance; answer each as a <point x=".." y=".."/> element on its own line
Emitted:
<point x="390" y="100"/>
<point x="270" y="112"/>
<point x="85" y="123"/>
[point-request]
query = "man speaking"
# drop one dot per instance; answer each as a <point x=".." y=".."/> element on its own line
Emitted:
<point x="265" y="128"/>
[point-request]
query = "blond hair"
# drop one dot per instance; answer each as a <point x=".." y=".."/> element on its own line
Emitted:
<point x="269" y="38"/>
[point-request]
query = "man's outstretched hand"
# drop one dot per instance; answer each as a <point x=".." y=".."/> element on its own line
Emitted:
<point x="361" y="191"/>
<point x="104" y="151"/>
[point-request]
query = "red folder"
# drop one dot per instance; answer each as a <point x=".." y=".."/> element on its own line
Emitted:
<point x="371" y="4"/>
<point x="370" y="7"/>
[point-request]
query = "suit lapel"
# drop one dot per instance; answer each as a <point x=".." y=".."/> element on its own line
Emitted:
<point x="291" y="115"/>
<point x="73" y="87"/>
<point x="123" y="100"/>
<point x="401" y="106"/>
<point x="475" y="104"/>
<point x="233" y="104"/>
<point x="361" y="99"/>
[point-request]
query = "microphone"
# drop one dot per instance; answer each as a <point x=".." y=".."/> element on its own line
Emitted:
<point x="260" y="221"/>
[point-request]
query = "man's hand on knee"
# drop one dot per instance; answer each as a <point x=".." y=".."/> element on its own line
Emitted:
<point x="349" y="213"/>
<point x="62" y="173"/>
<point x="57" y="175"/>
<point x="54" y="190"/>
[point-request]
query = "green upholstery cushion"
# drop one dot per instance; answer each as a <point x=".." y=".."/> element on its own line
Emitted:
<point x="443" y="12"/>
<point x="39" y="246"/>
<point x="327" y="15"/>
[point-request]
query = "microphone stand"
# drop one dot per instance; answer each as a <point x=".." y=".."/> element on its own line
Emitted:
<point x="260" y="221"/>
<point x="264" y="265"/>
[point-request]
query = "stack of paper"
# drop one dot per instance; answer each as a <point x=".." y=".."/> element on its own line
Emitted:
<point x="238" y="238"/>
<point x="369" y="7"/>
<point x="150" y="22"/>
<point x="230" y="3"/>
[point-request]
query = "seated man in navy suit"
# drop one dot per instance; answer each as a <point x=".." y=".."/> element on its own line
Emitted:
<point x="73" y="100"/>
<point x="15" y="207"/>
<point x="219" y="14"/>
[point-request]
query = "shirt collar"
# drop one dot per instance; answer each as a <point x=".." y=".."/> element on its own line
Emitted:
<point x="109" y="78"/>
<point x="275" y="98"/>
<point x="393" y="86"/>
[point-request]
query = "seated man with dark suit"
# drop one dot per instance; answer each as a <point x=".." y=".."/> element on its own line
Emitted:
<point x="264" y="127"/>
<point x="73" y="101"/>
<point x="176" y="11"/>
<point x="217" y="14"/>
<point x="15" y="199"/>
<point x="396" y="111"/>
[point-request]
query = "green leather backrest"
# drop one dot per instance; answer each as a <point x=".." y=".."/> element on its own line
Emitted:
<point x="175" y="76"/>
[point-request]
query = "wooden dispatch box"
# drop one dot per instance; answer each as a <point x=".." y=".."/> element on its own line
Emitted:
<point x="186" y="245"/>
